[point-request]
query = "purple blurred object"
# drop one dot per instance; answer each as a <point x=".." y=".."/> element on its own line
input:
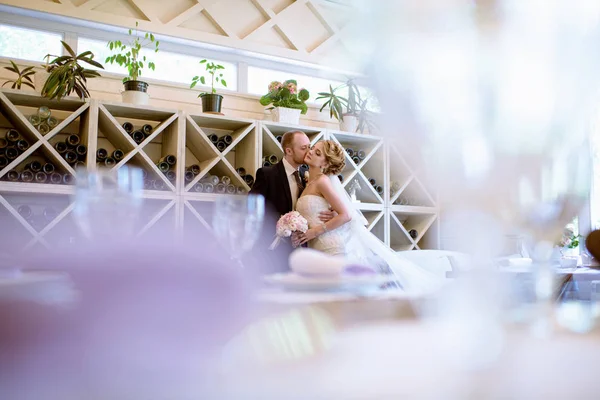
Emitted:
<point x="357" y="269"/>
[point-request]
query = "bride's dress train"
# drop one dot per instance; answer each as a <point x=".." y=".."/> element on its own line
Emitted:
<point x="354" y="241"/>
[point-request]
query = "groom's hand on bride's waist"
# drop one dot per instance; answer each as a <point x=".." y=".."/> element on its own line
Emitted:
<point x="326" y="216"/>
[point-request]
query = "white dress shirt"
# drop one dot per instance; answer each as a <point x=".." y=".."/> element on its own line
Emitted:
<point x="289" y="171"/>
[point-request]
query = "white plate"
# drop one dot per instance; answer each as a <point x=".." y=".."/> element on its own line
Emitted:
<point x="294" y="281"/>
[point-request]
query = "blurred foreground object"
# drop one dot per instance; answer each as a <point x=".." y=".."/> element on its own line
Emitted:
<point x="592" y="243"/>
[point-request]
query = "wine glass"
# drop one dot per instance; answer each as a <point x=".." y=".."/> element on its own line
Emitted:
<point x="108" y="202"/>
<point x="237" y="222"/>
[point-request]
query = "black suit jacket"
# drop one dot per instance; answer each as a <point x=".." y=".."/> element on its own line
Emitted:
<point x="272" y="183"/>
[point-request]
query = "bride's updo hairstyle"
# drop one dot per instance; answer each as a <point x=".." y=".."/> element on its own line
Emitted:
<point x="334" y="154"/>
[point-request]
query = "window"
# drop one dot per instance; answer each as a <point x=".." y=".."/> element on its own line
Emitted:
<point x="259" y="79"/>
<point x="172" y="67"/>
<point x="28" y="44"/>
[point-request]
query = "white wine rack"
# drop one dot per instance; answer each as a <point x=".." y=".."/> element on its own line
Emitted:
<point x="394" y="200"/>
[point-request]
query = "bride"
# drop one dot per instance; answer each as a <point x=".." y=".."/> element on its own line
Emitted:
<point x="345" y="234"/>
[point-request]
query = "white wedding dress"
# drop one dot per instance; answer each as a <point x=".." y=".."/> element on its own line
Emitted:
<point x="354" y="241"/>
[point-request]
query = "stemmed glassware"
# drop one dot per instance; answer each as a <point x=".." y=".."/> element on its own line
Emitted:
<point x="237" y="223"/>
<point x="108" y="202"/>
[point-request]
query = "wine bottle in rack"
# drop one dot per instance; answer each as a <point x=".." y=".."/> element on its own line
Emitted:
<point x="228" y="139"/>
<point x="3" y="161"/>
<point x="55" y="178"/>
<point x="70" y="157"/>
<point x="278" y="138"/>
<point x="413" y="233"/>
<point x="361" y="154"/>
<point x="266" y="163"/>
<point x="350" y="152"/>
<point x="169" y="159"/>
<point x="12" y="136"/>
<point x="34" y="120"/>
<point x="118" y="155"/>
<point x="158" y="184"/>
<point x="11" y="153"/>
<point x="27" y="176"/>
<point x="249" y="179"/>
<point x="79" y="164"/>
<point x="163" y="166"/>
<point x="41" y="177"/>
<point x="212" y="179"/>
<point x="147" y="129"/>
<point x="213" y="138"/>
<point x="72" y="141"/>
<point x="378" y="189"/>
<point x="49" y="214"/>
<point x="81" y="151"/>
<point x="171" y="175"/>
<point x="61" y="147"/>
<point x="194" y="169"/>
<point x="48" y="168"/>
<point x="3" y="143"/>
<point x="356" y="160"/>
<point x="198" y="187"/>
<point x="22" y="145"/>
<point x="138" y="136"/>
<point x="67" y="179"/>
<point x="372" y="182"/>
<point x="341" y="177"/>
<point x="44" y="112"/>
<point x="101" y="154"/>
<point x="147" y="184"/>
<point x="240" y="190"/>
<point x="273" y="159"/>
<point x="241" y="171"/>
<point x="52" y="122"/>
<point x="189" y="176"/>
<point x="220" y="188"/>
<point x="128" y="127"/>
<point x="225" y="180"/>
<point x="34" y="166"/>
<point x="209" y="187"/>
<point x="25" y="211"/>
<point x="43" y="128"/>
<point x="230" y="189"/>
<point x="108" y="162"/>
<point x="221" y="146"/>
<point x="13" y="175"/>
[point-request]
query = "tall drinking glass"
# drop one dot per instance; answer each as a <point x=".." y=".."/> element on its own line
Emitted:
<point x="237" y="223"/>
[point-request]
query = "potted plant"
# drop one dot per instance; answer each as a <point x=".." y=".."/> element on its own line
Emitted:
<point x="66" y="75"/>
<point x="23" y="76"/>
<point x="288" y="102"/>
<point x="336" y="103"/>
<point x="128" y="55"/>
<point x="211" y="102"/>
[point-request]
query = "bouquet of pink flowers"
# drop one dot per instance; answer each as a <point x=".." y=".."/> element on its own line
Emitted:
<point x="287" y="224"/>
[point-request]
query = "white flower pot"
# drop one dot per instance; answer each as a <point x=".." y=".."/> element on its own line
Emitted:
<point x="349" y="123"/>
<point x="135" y="97"/>
<point x="286" y="115"/>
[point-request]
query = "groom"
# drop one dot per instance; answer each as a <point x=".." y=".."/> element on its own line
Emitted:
<point x="281" y="185"/>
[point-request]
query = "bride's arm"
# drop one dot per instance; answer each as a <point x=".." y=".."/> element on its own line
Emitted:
<point x="343" y="214"/>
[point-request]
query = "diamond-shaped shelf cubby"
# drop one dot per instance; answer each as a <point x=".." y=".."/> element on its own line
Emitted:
<point x="197" y="221"/>
<point x="364" y="193"/>
<point x="272" y="133"/>
<point x="410" y="224"/>
<point x="38" y="214"/>
<point x="143" y="137"/>
<point x="32" y="124"/>
<point x="220" y="155"/>
<point x="157" y="217"/>
<point x="413" y="194"/>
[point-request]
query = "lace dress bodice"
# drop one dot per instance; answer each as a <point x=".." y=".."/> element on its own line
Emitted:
<point x="332" y="242"/>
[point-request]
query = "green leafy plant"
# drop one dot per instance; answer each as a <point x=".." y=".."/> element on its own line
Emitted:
<point x="366" y="118"/>
<point x="67" y="75"/>
<point x="23" y="76"/>
<point x="215" y="77"/>
<point x="128" y="54"/>
<point x="334" y="102"/>
<point x="286" y="95"/>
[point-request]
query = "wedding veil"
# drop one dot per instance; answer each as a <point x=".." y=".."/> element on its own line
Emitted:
<point x="365" y="247"/>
